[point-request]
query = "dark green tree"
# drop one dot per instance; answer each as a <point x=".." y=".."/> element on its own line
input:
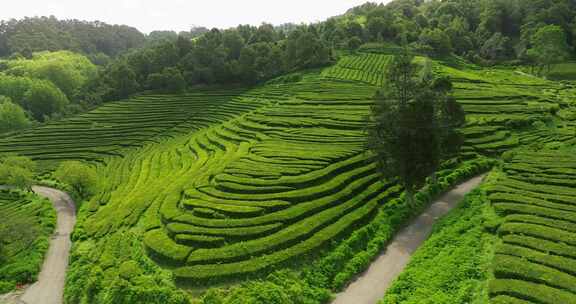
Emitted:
<point x="549" y="47"/>
<point x="496" y="48"/>
<point x="437" y="40"/>
<point x="354" y="43"/>
<point x="44" y="99"/>
<point x="169" y="81"/>
<point x="121" y="78"/>
<point x="413" y="117"/>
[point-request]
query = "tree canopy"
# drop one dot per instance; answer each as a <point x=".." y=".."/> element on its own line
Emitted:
<point x="484" y="31"/>
<point x="412" y="125"/>
<point x="243" y="55"/>
<point x="81" y="177"/>
<point x="36" y="34"/>
<point x="17" y="171"/>
<point x="12" y="116"/>
<point x="68" y="71"/>
<point x="548" y="47"/>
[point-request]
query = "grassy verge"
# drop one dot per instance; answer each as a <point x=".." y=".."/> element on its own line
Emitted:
<point x="27" y="222"/>
<point x="451" y="266"/>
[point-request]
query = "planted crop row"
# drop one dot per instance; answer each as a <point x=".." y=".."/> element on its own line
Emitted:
<point x="536" y="262"/>
<point x="367" y="68"/>
<point x="126" y="124"/>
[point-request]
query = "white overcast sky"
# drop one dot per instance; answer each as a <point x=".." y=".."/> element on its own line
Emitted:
<point x="148" y="15"/>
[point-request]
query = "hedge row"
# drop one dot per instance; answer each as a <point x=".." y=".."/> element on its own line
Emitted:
<point x="531" y="292"/>
<point x="537" y="260"/>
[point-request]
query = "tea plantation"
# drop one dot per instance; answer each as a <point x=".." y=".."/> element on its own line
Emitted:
<point x="536" y="260"/>
<point x="217" y="186"/>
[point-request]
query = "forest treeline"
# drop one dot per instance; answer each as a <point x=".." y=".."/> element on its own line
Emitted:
<point x="480" y="30"/>
<point x="121" y="61"/>
<point x="530" y="32"/>
<point x="36" y="34"/>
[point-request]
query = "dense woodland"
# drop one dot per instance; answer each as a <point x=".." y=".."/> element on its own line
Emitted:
<point x="534" y="33"/>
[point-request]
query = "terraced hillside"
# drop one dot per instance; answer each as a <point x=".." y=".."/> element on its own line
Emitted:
<point x="252" y="192"/>
<point x="504" y="108"/>
<point x="536" y="262"/>
<point x="223" y="185"/>
<point x="276" y="182"/>
<point x="367" y="68"/>
<point x="27" y="221"/>
<point x="126" y="124"/>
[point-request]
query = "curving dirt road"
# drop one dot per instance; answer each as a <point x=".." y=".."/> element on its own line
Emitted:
<point x="49" y="289"/>
<point x="371" y="286"/>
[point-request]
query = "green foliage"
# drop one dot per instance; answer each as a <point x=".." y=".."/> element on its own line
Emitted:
<point x="116" y="270"/>
<point x="535" y="197"/>
<point x="305" y="50"/>
<point x="12" y="116"/>
<point x="235" y="184"/>
<point x="27" y="223"/>
<point x="68" y="71"/>
<point x="451" y="266"/>
<point x="43" y="99"/>
<point x="496" y="48"/>
<point x="6" y="286"/>
<point x="483" y="31"/>
<point x="437" y="41"/>
<point x="549" y="47"/>
<point x="354" y="43"/>
<point x="36" y="34"/>
<point x="169" y="81"/>
<point x="282" y="287"/>
<point x="118" y="81"/>
<point x="246" y="55"/>
<point x="81" y="177"/>
<point x="355" y="254"/>
<point x="39" y="97"/>
<point x="17" y="171"/>
<point x="413" y="124"/>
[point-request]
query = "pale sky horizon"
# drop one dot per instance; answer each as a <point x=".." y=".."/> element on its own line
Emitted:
<point x="181" y="15"/>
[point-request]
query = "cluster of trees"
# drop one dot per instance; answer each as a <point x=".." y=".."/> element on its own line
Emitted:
<point x="17" y="171"/>
<point x="243" y="55"/>
<point x="48" y="85"/>
<point x="12" y="116"/>
<point x="485" y="31"/>
<point x="20" y="172"/>
<point x="80" y="176"/>
<point x="36" y="34"/>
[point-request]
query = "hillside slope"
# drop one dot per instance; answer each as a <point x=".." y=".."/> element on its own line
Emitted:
<point x="231" y="184"/>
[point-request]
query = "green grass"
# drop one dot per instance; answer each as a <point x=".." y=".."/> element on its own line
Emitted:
<point x="27" y="222"/>
<point x="451" y="266"/>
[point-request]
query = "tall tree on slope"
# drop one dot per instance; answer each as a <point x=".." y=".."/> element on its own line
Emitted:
<point x="413" y="124"/>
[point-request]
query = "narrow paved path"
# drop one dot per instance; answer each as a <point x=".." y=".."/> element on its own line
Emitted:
<point x="49" y="289"/>
<point x="371" y="286"/>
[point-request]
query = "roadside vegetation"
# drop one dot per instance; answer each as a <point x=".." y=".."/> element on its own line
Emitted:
<point x="27" y="223"/>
